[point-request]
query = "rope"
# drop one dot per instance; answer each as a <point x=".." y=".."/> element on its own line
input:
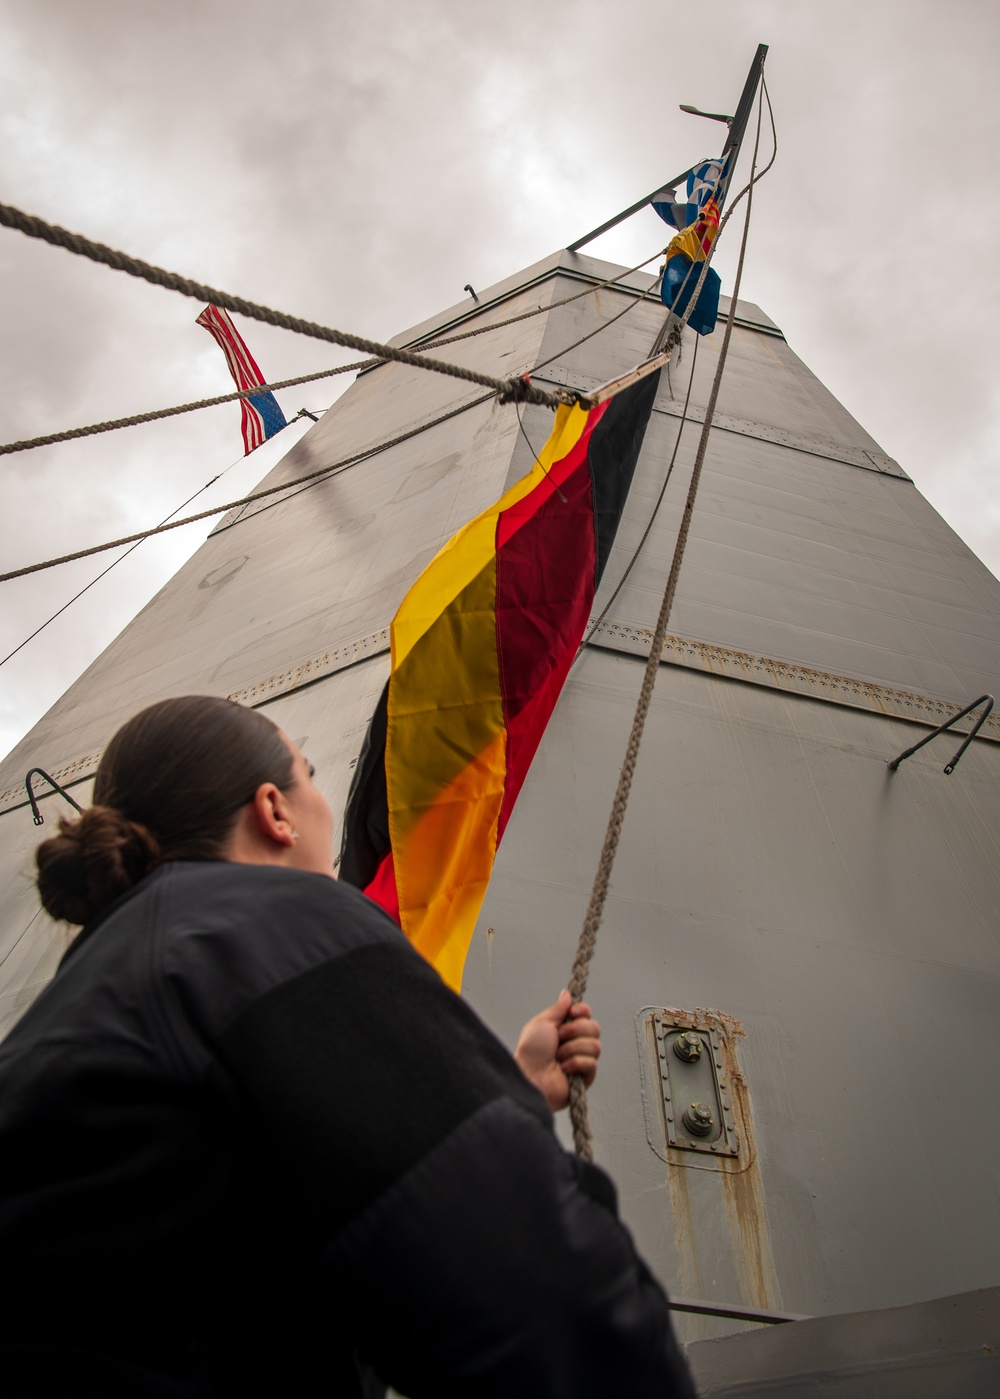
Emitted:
<point x="244" y="500"/>
<point x="115" y="562"/>
<point x="323" y="471"/>
<point x="589" y="336"/>
<point x="509" y="390"/>
<point x="652" y="518"/>
<point x="554" y="306"/>
<point x="114" y="423"/>
<point x="684" y="412"/>
<point x="591" y="333"/>
<point x="26" y="444"/>
<point x="745" y="191"/>
<point x="582" y="1136"/>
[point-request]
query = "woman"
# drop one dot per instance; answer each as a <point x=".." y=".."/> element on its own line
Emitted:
<point x="250" y="1143"/>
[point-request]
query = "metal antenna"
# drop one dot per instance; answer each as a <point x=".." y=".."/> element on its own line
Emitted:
<point x="712" y="116"/>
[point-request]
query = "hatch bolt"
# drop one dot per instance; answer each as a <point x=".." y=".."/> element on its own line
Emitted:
<point x="688" y="1046"/>
<point x="699" y="1119"/>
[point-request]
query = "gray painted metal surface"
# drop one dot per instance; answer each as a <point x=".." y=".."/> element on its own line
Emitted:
<point x="834" y="924"/>
<point x="775" y="878"/>
<point x="949" y="1347"/>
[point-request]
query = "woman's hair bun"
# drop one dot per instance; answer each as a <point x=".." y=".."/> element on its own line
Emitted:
<point x="93" y="861"/>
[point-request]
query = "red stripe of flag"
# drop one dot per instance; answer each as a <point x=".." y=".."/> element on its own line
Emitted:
<point x="242" y="366"/>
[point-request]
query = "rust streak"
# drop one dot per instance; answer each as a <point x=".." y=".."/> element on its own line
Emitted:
<point x="742" y="1186"/>
<point x="687" y="1250"/>
<point x="748" y="1227"/>
<point x="739" y="1180"/>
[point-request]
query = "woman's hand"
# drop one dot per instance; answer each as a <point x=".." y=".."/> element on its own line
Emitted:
<point x="559" y="1041"/>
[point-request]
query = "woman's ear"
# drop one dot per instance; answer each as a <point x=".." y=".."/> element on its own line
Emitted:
<point x="273" y="815"/>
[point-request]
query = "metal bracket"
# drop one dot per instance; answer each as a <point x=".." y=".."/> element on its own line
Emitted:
<point x="987" y="700"/>
<point x="37" y="816"/>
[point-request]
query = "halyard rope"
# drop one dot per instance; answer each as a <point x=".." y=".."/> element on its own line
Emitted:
<point x="582" y="1137"/>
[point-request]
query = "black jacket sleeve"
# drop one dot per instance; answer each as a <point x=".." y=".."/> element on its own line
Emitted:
<point x="488" y="1271"/>
<point x="461" y="1246"/>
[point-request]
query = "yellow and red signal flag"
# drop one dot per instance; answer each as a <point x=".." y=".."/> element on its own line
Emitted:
<point x="481" y="646"/>
<point x="695" y="242"/>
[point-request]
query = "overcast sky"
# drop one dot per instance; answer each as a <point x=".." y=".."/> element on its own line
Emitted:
<point x="358" y="163"/>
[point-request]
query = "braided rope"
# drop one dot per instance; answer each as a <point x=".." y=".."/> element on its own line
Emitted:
<point x="515" y="390"/>
<point x="582" y="1136"/>
<point x="70" y="433"/>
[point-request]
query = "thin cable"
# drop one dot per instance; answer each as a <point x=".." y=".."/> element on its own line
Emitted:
<point x="591" y="333"/>
<point x="554" y="306"/>
<point x="300" y="484"/>
<point x="114" y="564"/>
<point x="582" y="1137"/>
<point x="13" y="948"/>
<point x="333" y="469"/>
<point x="659" y="501"/>
<point x="535" y="456"/>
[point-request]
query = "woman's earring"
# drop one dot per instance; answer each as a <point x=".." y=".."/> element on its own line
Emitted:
<point x="295" y="835"/>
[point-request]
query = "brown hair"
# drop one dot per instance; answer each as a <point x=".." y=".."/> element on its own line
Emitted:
<point x="168" y="787"/>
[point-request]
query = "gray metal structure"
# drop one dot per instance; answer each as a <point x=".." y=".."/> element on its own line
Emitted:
<point x="827" y="928"/>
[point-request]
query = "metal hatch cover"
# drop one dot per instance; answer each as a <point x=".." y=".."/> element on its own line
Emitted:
<point x="693" y="1091"/>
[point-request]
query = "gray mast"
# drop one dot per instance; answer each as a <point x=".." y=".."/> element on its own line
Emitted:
<point x="827" y="929"/>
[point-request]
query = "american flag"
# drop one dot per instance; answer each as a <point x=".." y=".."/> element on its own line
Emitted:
<point x="262" y="417"/>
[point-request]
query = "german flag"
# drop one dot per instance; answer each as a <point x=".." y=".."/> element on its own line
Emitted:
<point x="481" y="646"/>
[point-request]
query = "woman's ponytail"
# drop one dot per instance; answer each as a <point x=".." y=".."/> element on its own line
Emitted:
<point x="93" y="861"/>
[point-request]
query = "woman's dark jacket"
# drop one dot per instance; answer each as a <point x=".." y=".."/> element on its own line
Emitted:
<point x="250" y="1143"/>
